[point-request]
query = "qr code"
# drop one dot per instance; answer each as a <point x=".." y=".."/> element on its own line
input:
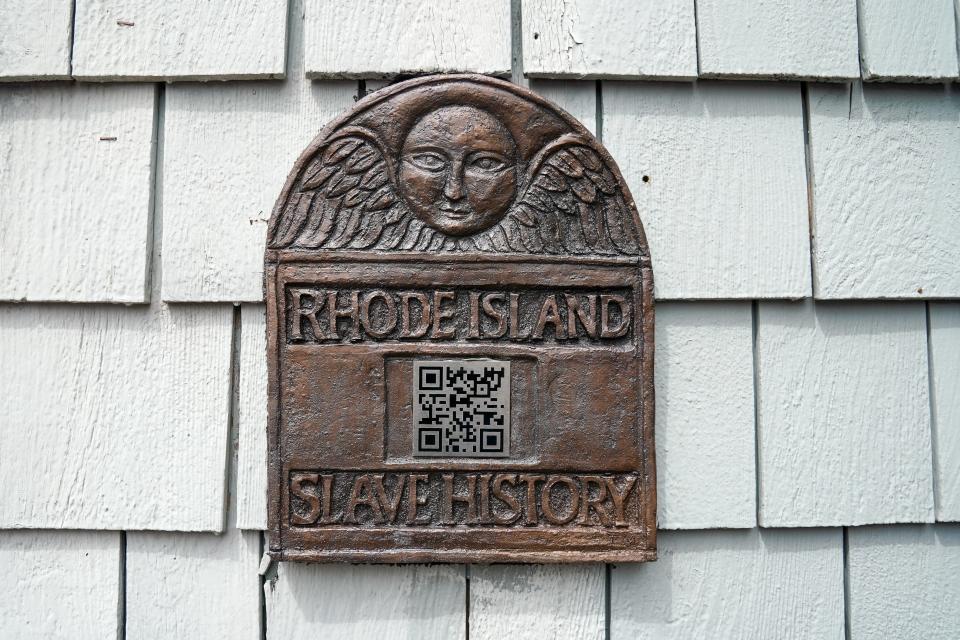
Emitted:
<point x="461" y="408"/>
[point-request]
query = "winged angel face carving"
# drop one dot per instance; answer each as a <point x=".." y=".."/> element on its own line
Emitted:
<point x="458" y="170"/>
<point x="463" y="164"/>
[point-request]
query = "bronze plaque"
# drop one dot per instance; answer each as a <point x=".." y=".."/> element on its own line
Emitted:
<point x="460" y="337"/>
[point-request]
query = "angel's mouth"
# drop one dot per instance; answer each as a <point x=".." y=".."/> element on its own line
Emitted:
<point x="457" y="213"/>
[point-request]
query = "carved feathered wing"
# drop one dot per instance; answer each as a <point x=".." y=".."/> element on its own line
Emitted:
<point x="345" y="198"/>
<point x="572" y="204"/>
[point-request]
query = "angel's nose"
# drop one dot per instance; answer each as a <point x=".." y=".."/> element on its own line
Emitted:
<point x="453" y="187"/>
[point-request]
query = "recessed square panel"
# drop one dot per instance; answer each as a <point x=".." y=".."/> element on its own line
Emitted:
<point x="461" y="408"/>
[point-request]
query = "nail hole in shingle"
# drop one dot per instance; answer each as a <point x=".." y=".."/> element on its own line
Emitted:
<point x="536" y="36"/>
<point x="646" y="178"/>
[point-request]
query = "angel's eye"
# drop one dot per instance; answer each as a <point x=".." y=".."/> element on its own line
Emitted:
<point x="428" y="161"/>
<point x="488" y="163"/>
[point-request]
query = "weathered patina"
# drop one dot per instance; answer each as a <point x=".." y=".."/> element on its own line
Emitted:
<point x="460" y="337"/>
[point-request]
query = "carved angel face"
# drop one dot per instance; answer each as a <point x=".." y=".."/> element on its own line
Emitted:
<point x="458" y="170"/>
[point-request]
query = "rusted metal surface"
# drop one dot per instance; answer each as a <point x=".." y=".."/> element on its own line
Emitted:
<point x="460" y="338"/>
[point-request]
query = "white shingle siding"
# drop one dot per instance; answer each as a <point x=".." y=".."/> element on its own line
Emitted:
<point x="357" y="602"/>
<point x="151" y="419"/>
<point x="945" y="387"/>
<point x="733" y="584"/>
<point x="886" y="174"/>
<point x="60" y="585"/>
<point x="75" y="192"/>
<point x="908" y="41"/>
<point x="612" y="39"/>
<point x="179" y="40"/>
<point x="724" y="206"/>
<point x="532" y="602"/>
<point x="705" y="433"/>
<point x="378" y="38"/>
<point x="114" y="417"/>
<point x="843" y="414"/>
<point x="35" y="39"/>
<point x="252" y="417"/>
<point x="903" y="582"/>
<point x="222" y="176"/>
<point x="193" y="585"/>
<point x="773" y="39"/>
<point x="228" y="172"/>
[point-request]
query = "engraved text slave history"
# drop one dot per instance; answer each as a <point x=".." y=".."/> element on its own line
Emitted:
<point x="460" y="337"/>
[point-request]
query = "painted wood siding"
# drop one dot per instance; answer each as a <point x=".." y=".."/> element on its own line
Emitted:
<point x="116" y="417"/>
<point x="733" y="584"/>
<point x="705" y="416"/>
<point x="381" y="38"/>
<point x="944" y="332"/>
<point x="179" y="40"/>
<point x="903" y="581"/>
<point x="536" y="602"/>
<point x="885" y="166"/>
<point x="36" y="42"/>
<point x="61" y="584"/>
<point x="805" y="238"/>
<point x="359" y="602"/>
<point x="778" y="39"/>
<point x="76" y="191"/>
<point x="618" y="39"/>
<point x="717" y="171"/>
<point x="252" y="419"/>
<point x="843" y="418"/>
<point x="908" y="41"/>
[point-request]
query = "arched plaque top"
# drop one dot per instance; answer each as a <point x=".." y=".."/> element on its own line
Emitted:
<point x="457" y="164"/>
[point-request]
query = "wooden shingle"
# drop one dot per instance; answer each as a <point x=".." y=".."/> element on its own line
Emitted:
<point x="252" y="415"/>
<point x="778" y="39"/>
<point x="184" y="40"/>
<point x="945" y="374"/>
<point x="381" y="38"/>
<point x="534" y="602"/>
<point x="75" y="192"/>
<point x="193" y="585"/>
<point x="227" y="150"/>
<point x="114" y="417"/>
<point x="843" y="414"/>
<point x="576" y="97"/>
<point x="886" y="169"/>
<point x="908" y="41"/>
<point x="61" y="585"/>
<point x="653" y="39"/>
<point x="717" y="171"/>
<point x="705" y="433"/>
<point x="733" y="584"/>
<point x="358" y="602"/>
<point x="36" y="38"/>
<point x="903" y="582"/>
